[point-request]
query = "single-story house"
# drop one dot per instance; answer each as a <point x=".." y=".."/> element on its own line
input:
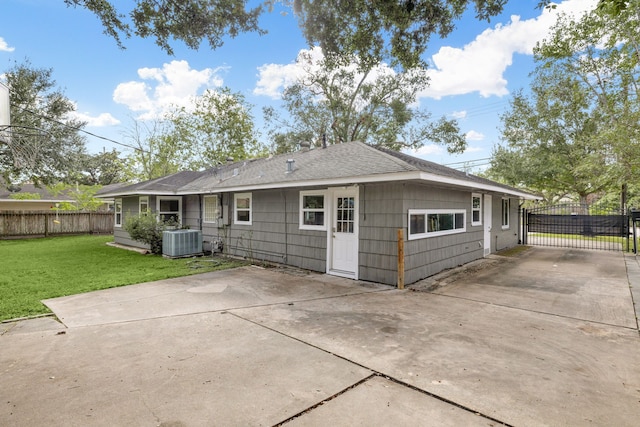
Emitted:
<point x="336" y="210"/>
<point x="40" y="198"/>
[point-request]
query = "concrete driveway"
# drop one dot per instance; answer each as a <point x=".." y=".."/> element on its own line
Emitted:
<point x="547" y="338"/>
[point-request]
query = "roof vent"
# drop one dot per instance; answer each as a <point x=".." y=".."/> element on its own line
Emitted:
<point x="290" y="165"/>
<point x="236" y="171"/>
<point x="229" y="159"/>
<point x="305" y="145"/>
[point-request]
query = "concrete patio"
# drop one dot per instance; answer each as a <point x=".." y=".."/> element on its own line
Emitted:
<point x="549" y="337"/>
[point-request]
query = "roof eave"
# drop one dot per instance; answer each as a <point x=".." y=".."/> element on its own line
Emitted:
<point x="137" y="193"/>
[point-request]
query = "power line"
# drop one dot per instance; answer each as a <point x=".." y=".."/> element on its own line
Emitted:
<point x="78" y="129"/>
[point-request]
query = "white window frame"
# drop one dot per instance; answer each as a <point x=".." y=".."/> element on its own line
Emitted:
<point x="303" y="210"/>
<point x="237" y="196"/>
<point x="426" y="213"/>
<point x="117" y="209"/>
<point x="505" y="213"/>
<point x="210" y="217"/>
<point x="478" y="209"/>
<point x="159" y="212"/>
<point x="143" y="200"/>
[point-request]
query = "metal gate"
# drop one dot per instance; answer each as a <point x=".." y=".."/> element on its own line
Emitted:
<point x="576" y="226"/>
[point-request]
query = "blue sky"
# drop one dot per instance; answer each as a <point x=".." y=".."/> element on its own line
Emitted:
<point x="473" y="71"/>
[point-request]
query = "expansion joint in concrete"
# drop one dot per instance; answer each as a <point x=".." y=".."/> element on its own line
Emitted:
<point x="374" y="374"/>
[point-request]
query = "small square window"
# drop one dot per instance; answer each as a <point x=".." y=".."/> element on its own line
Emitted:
<point x="242" y="206"/>
<point x="312" y="210"/>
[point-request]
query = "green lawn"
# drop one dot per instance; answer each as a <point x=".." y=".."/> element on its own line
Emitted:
<point x="36" y="269"/>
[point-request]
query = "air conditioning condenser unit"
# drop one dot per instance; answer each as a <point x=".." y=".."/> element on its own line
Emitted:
<point x="180" y="243"/>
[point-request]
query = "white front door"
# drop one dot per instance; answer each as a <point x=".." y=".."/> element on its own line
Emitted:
<point x="342" y="249"/>
<point x="487" y="223"/>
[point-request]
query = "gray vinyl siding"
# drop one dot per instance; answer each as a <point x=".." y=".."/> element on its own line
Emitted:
<point x="381" y="215"/>
<point x="428" y="256"/>
<point x="191" y="212"/>
<point x="508" y="238"/>
<point x="384" y="210"/>
<point x="274" y="234"/>
<point x="130" y="207"/>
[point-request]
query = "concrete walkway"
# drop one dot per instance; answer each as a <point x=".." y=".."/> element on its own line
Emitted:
<point x="547" y="338"/>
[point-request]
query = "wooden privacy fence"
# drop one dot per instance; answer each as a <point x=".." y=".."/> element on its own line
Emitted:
<point x="46" y="223"/>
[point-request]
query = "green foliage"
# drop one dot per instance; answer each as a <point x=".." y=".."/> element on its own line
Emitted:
<point x="148" y="229"/>
<point x="372" y="105"/>
<point x="374" y="31"/>
<point x="217" y="125"/>
<point x="45" y="143"/>
<point x="37" y="269"/>
<point x="158" y="153"/>
<point x="576" y="133"/>
<point x="25" y="196"/>
<point x="613" y="7"/>
<point x="189" y="21"/>
<point x="103" y="168"/>
<point x="83" y="197"/>
<point x="394" y="31"/>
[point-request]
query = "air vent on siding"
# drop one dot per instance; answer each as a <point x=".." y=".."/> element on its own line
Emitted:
<point x="179" y="243"/>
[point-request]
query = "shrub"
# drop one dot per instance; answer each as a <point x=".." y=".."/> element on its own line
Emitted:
<point x="148" y="229"/>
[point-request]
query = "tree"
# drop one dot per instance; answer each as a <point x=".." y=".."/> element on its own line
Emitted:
<point x="83" y="197"/>
<point x="601" y="53"/>
<point x="552" y="143"/>
<point x="190" y="21"/>
<point x="374" y="31"/>
<point x="103" y="168"/>
<point x="156" y="153"/>
<point x="45" y="142"/>
<point x="370" y="104"/>
<point x="216" y="126"/>
<point x="578" y="135"/>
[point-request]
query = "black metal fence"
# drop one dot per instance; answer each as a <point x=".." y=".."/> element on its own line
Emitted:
<point x="576" y="226"/>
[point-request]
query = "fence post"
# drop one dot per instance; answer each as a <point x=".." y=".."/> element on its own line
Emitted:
<point x="46" y="224"/>
<point x="524" y="226"/>
<point x="400" y="259"/>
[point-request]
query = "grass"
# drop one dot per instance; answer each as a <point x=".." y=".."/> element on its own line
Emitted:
<point x="613" y="239"/>
<point x="37" y="269"/>
<point x="602" y="239"/>
<point x="514" y="251"/>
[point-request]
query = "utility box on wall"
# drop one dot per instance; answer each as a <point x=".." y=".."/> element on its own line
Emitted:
<point x="180" y="243"/>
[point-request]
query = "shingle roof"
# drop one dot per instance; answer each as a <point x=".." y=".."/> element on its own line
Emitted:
<point x="6" y="191"/>
<point x="164" y="185"/>
<point x="336" y="161"/>
<point x="341" y="163"/>
<point x="437" y="169"/>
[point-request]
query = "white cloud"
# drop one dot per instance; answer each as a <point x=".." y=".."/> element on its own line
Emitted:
<point x="274" y="78"/>
<point x="458" y="115"/>
<point x="4" y="46"/>
<point x="479" y="66"/>
<point x="472" y="135"/>
<point x="175" y="84"/>
<point x="426" y="150"/>
<point x="102" y="120"/>
<point x="471" y="149"/>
